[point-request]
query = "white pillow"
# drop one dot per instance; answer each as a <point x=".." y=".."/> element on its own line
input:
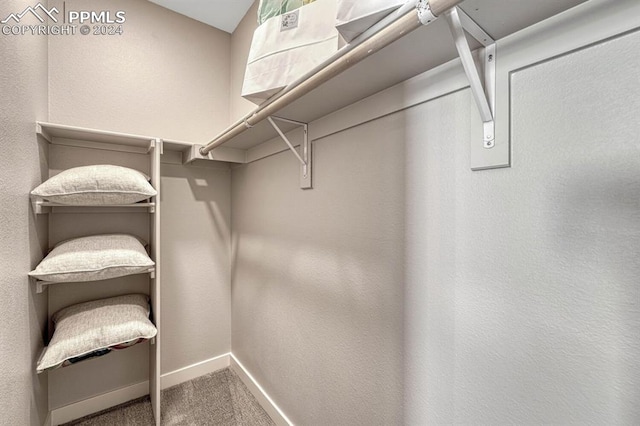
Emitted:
<point x="96" y="185"/>
<point x="99" y="257"/>
<point x="95" y="328"/>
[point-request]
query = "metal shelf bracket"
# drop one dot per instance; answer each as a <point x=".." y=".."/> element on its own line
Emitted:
<point x="305" y="147"/>
<point x="484" y="95"/>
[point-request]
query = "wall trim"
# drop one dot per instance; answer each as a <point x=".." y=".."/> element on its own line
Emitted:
<point x="120" y="396"/>
<point x="107" y="400"/>
<point x="272" y="409"/>
<point x="47" y="421"/>
<point x="98" y="403"/>
<point x="194" y="371"/>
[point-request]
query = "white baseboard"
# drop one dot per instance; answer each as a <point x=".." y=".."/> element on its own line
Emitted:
<point x="194" y="371"/>
<point x="263" y="398"/>
<point x="98" y="403"/>
<point x="102" y="402"/>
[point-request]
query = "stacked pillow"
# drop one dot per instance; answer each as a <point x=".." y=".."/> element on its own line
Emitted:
<point x="96" y="185"/>
<point x="98" y="257"/>
<point x="95" y="328"/>
<point x="98" y="327"/>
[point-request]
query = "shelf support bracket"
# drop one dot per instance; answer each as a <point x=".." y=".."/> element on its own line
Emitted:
<point x="305" y="147"/>
<point x="36" y="205"/>
<point x="40" y="285"/>
<point x="484" y="95"/>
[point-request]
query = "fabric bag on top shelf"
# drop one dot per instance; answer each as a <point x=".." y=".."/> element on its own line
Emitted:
<point x="287" y="46"/>
<point x="356" y="16"/>
<point x="270" y="8"/>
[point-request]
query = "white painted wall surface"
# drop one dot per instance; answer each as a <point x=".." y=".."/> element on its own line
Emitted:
<point x="167" y="75"/>
<point x="536" y="318"/>
<point x="23" y="100"/>
<point x="317" y="284"/>
<point x="196" y="264"/>
<point x="547" y="313"/>
<point x="517" y="288"/>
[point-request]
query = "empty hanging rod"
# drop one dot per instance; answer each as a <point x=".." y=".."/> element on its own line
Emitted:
<point x="427" y="11"/>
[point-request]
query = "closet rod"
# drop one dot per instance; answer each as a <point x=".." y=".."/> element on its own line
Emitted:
<point x="367" y="34"/>
<point x="427" y="12"/>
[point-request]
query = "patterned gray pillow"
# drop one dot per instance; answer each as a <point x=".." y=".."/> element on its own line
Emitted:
<point x="96" y="185"/>
<point x="94" y="258"/>
<point x="96" y="328"/>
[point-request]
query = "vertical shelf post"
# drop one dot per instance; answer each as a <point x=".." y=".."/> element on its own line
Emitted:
<point x="154" y="285"/>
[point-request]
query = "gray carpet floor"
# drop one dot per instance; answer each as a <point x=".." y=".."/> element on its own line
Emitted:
<point x="218" y="398"/>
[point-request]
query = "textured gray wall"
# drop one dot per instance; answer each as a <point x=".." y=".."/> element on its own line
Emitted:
<point x="23" y="85"/>
<point x="167" y="75"/>
<point x="496" y="297"/>
<point x="317" y="286"/>
<point x="522" y="302"/>
<point x="196" y="237"/>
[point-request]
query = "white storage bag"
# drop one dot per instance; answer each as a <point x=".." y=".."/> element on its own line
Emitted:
<point x="286" y="47"/>
<point x="271" y="8"/>
<point x="356" y="16"/>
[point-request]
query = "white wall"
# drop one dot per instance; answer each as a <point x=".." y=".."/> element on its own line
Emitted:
<point x="167" y="75"/>
<point x="516" y="289"/>
<point x="23" y="84"/>
<point x="196" y="241"/>
<point x="557" y="318"/>
<point x="317" y="281"/>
